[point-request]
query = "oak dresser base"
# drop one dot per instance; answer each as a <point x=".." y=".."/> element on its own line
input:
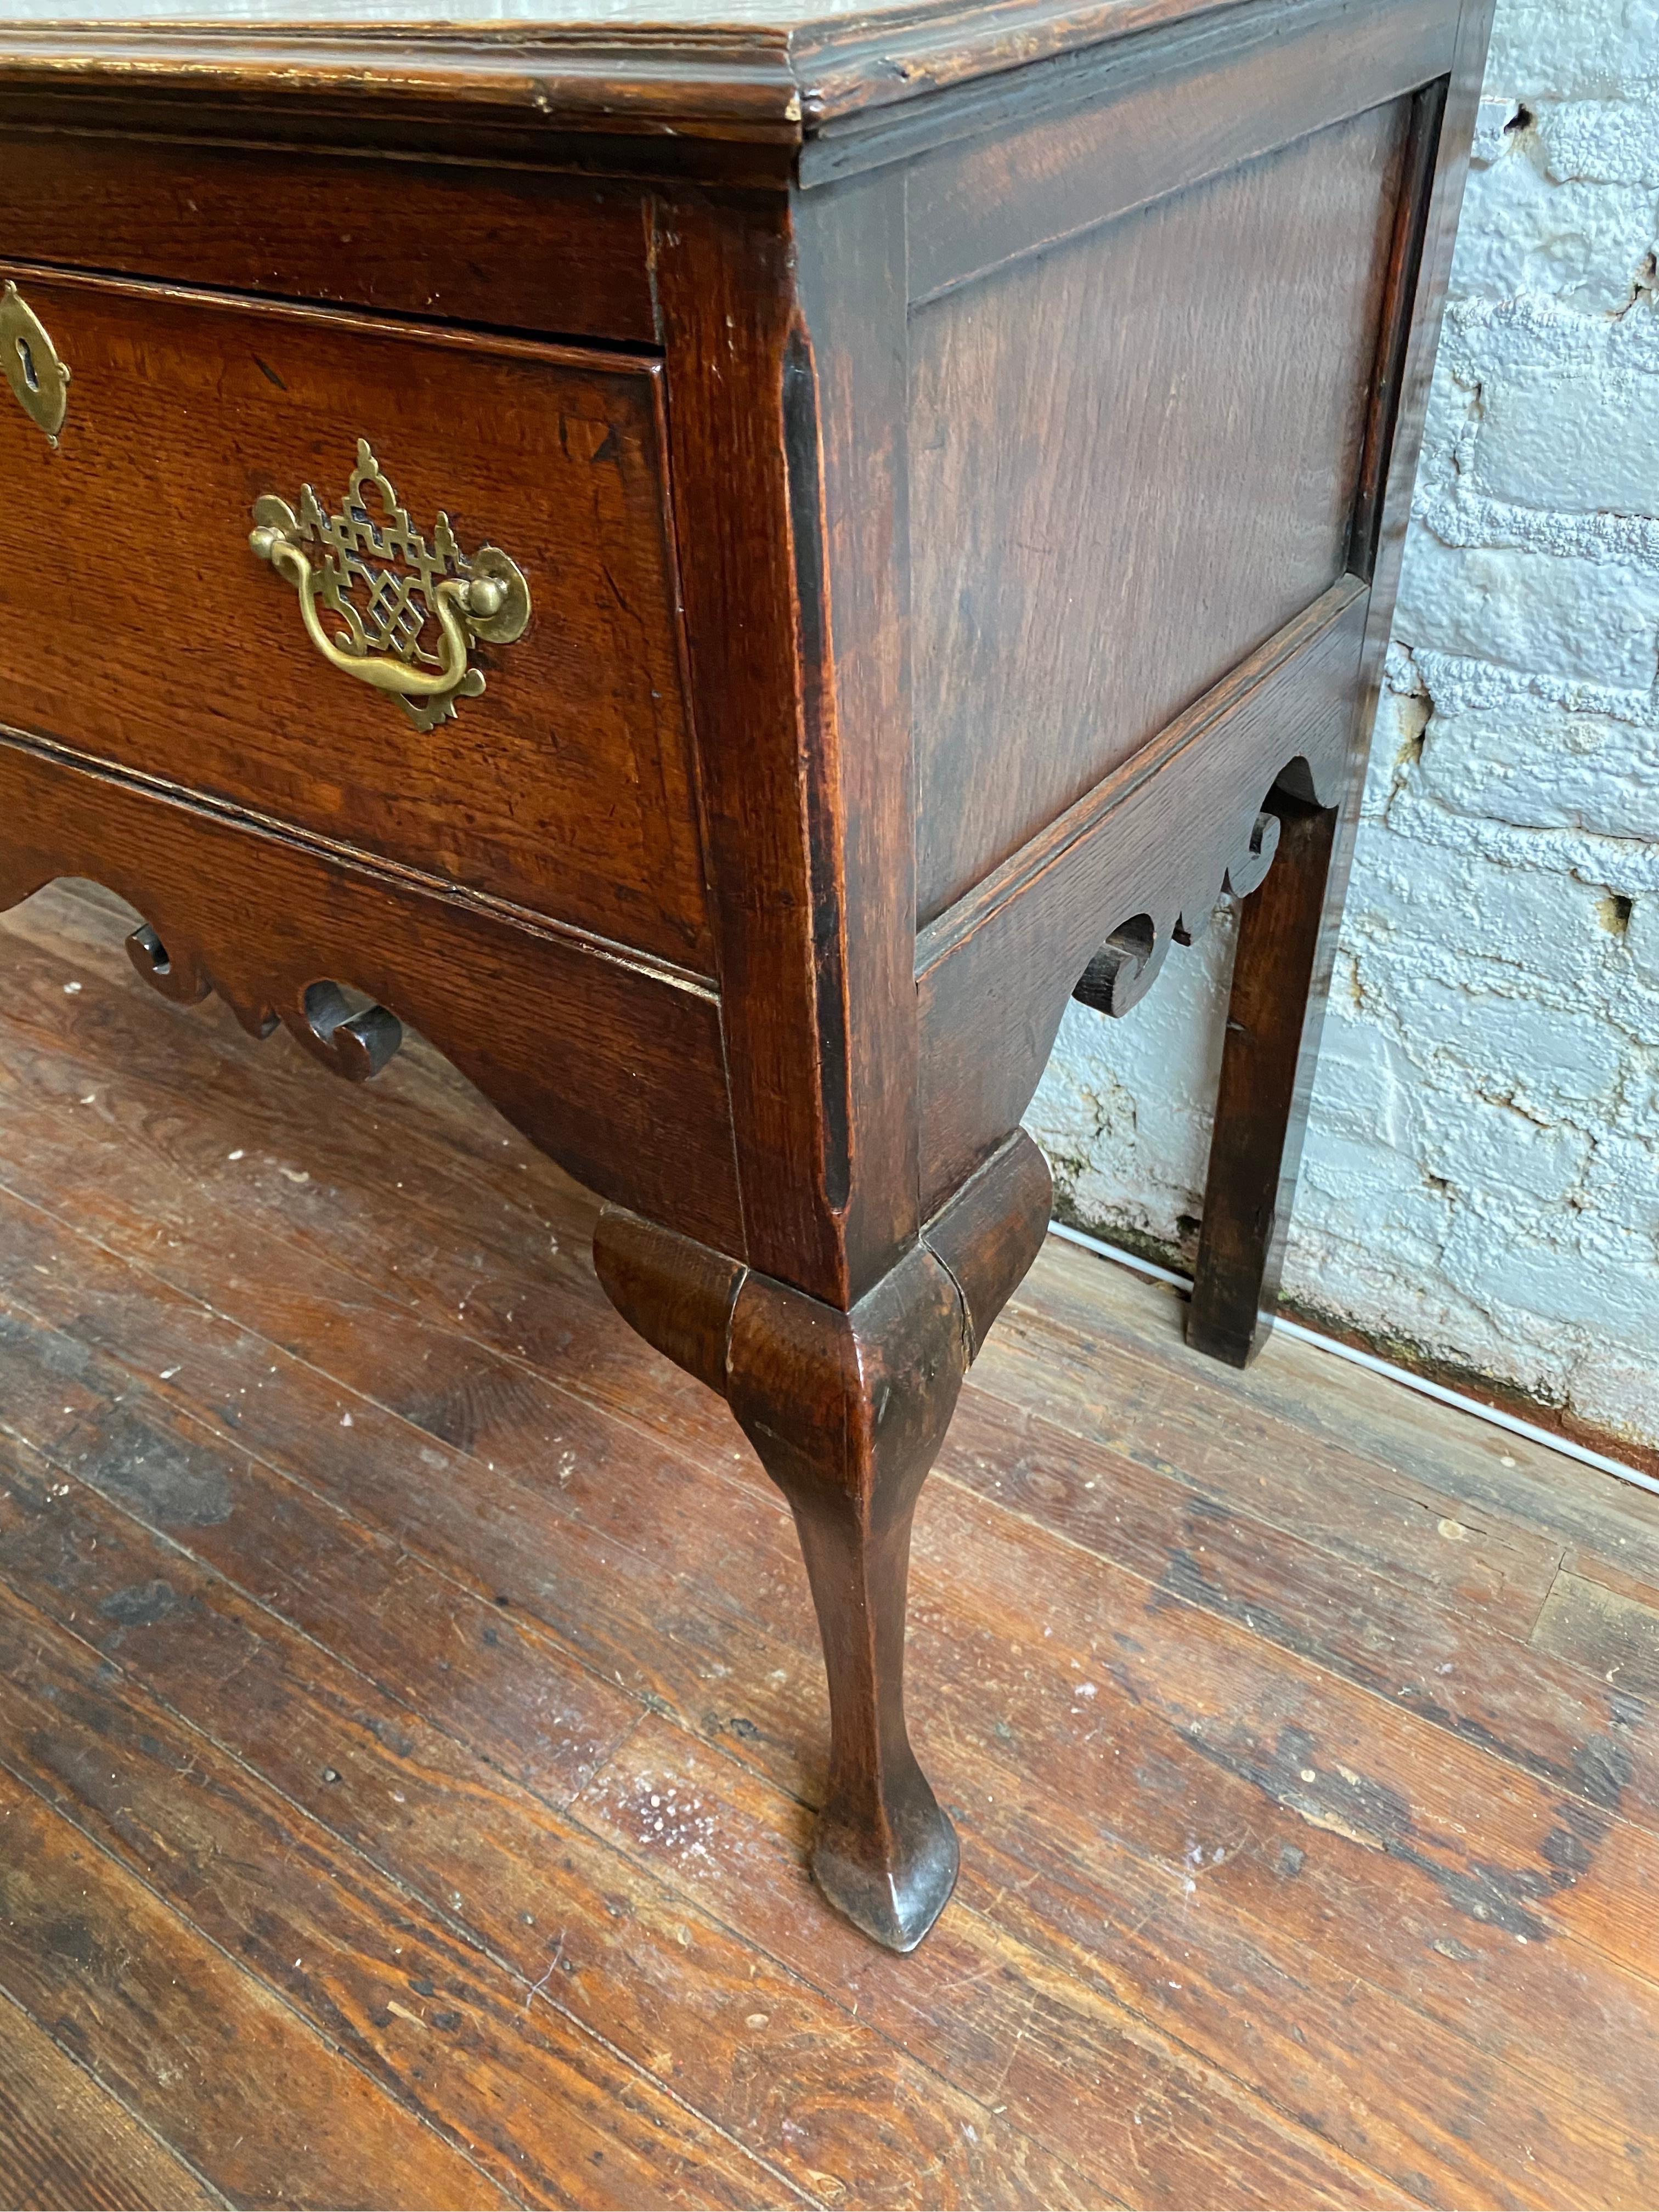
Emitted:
<point x="723" y="568"/>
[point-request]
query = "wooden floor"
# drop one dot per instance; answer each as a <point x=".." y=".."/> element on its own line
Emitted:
<point x="410" y="1710"/>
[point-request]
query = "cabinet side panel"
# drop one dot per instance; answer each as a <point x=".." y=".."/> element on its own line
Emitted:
<point x="1134" y="459"/>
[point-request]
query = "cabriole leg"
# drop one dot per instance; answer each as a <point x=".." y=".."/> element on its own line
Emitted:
<point x="847" y="1411"/>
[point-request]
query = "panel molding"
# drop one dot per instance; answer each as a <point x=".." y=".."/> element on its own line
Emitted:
<point x="1158" y="838"/>
<point x="1129" y="473"/>
<point x="1006" y="168"/>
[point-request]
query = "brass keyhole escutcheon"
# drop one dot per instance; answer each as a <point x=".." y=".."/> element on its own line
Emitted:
<point x="40" y="380"/>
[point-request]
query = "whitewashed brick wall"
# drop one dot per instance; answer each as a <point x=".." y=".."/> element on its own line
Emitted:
<point x="1481" y="1179"/>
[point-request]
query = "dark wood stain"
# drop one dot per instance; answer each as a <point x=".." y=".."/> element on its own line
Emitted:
<point x="573" y="767"/>
<point x="519" y="250"/>
<point x="1230" y="1683"/>
<point x="1192" y="498"/>
<point x="939" y="597"/>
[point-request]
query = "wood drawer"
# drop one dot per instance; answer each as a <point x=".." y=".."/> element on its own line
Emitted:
<point x="519" y="249"/>
<point x="137" y="626"/>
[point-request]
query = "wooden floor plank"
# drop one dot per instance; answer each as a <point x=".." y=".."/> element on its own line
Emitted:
<point x="204" y="2054"/>
<point x="536" y="1892"/>
<point x="428" y="1558"/>
<point x="954" y="1660"/>
<point x="1415" y="2102"/>
<point x="548" y="2111"/>
<point x="1393" y="1524"/>
<point x="283" y="1539"/>
<point x="558" y="1554"/>
<point x="1292" y="1385"/>
<point x="66" y="2144"/>
<point x="969" y="2038"/>
<point x="1427" y="1897"/>
<point x="1528" y="1703"/>
<point x="634" y="1492"/>
<point x="1611" y="1574"/>
<point x="81" y="929"/>
<point x="1608" y="1632"/>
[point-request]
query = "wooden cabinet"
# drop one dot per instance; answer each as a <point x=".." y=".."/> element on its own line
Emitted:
<point x="723" y="567"/>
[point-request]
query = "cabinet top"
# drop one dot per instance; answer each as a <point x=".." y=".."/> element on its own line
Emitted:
<point x="770" y="70"/>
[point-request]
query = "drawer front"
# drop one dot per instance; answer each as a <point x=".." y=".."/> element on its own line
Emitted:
<point x="137" y="624"/>
<point x="519" y="249"/>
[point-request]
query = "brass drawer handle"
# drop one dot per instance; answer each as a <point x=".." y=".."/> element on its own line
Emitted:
<point x="406" y="586"/>
<point x="38" y="378"/>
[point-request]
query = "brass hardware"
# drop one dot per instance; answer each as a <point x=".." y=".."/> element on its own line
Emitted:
<point x="409" y="586"/>
<point x="38" y="378"/>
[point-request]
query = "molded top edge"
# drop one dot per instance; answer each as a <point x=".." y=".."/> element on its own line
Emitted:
<point x="775" y="69"/>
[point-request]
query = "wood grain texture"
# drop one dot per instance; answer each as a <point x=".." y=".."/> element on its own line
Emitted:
<point x="711" y="70"/>
<point x="566" y="788"/>
<point x="729" y="315"/>
<point x="1606" y="1630"/>
<point x="1159" y="423"/>
<point x="559" y="1045"/>
<point x="786" y="360"/>
<point x="852" y="460"/>
<point x="847" y="1412"/>
<point x="65" y="2143"/>
<point x="1317" y="2015"/>
<point x="151" y="2006"/>
<point x="431" y="2017"/>
<point x="1144" y="121"/>
<point x="1256" y="1147"/>
<point x="514" y="248"/>
<point x="670" y="1988"/>
<point x="1156" y="839"/>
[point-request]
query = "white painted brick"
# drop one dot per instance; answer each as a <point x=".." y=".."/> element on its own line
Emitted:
<point x="1627" y="865"/>
<point x="1641" y="941"/>
<point x="1622" y="1182"/>
<point x="1569" y="442"/>
<point x="1528" y="1273"/>
<point x="1621" y="1394"/>
<point x="1368" y="1086"/>
<point x="1457" y="913"/>
<point x="1481" y="1174"/>
<point x="1610" y="142"/>
<point x="1582" y="243"/>
<point x="1540" y="769"/>
<point x="1486" y="1045"/>
<point x="1595" y="621"/>
<point x="1573" y="49"/>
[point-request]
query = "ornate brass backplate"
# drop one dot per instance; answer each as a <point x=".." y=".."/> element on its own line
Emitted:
<point x="388" y="590"/>
<point x="39" y="380"/>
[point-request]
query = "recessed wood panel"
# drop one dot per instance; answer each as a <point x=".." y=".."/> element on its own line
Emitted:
<point x="137" y="624"/>
<point x="1133" y="460"/>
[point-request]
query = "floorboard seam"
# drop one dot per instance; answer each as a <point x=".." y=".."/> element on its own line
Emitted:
<point x="458" y="1930"/>
<point x="107" y="2089"/>
<point x="176" y="1913"/>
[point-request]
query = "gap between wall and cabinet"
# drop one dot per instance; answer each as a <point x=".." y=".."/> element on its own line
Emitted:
<point x="1494" y="1416"/>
